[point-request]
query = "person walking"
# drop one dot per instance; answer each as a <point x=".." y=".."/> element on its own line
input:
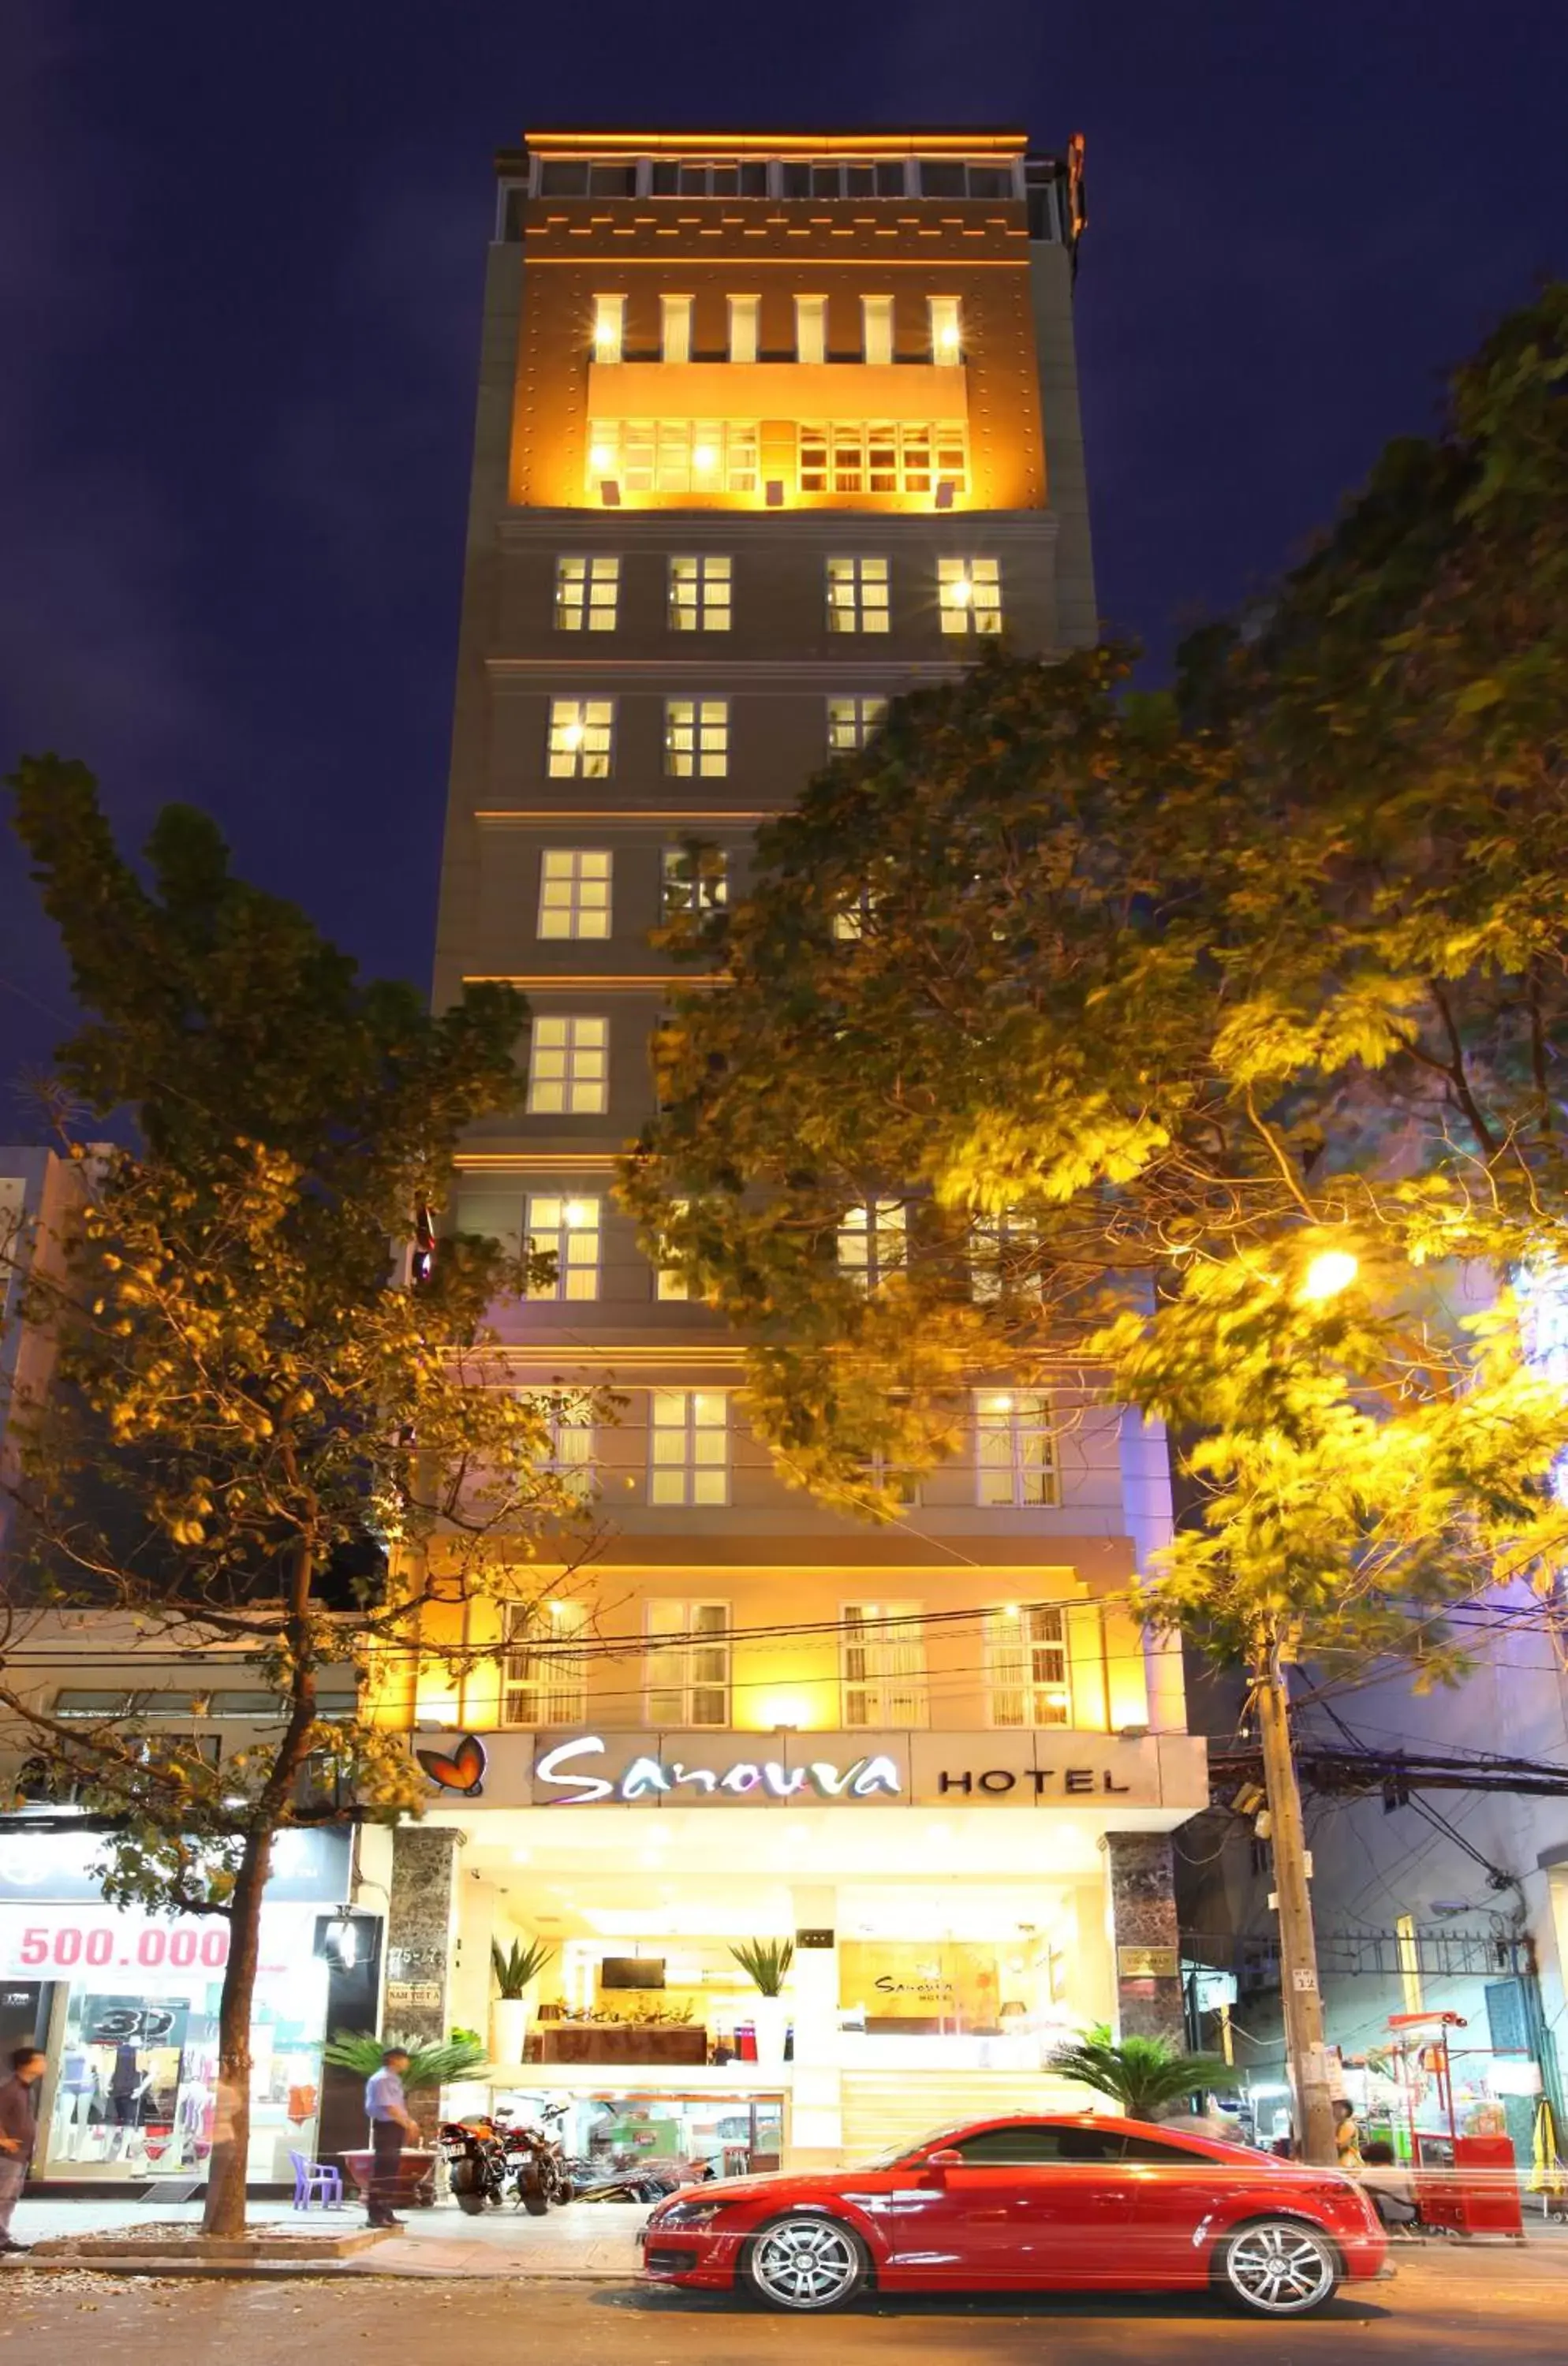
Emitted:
<point x="18" y="2127"/>
<point x="387" y="2108"/>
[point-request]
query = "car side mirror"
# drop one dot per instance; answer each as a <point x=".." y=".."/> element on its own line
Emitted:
<point x="947" y="2157"/>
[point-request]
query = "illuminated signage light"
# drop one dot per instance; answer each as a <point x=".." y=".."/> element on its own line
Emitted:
<point x="646" y="1778"/>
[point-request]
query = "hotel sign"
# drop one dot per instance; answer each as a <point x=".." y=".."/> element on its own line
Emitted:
<point x="976" y="1773"/>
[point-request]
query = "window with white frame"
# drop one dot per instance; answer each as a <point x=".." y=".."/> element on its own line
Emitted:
<point x="832" y="179"/>
<point x="694" y="879"/>
<point x="588" y="591"/>
<point x="609" y="327"/>
<point x="1027" y="1672"/>
<point x="581" y="738"/>
<point x="567" y="1454"/>
<point x="576" y="177"/>
<point x="688" y="1447"/>
<point x="853" y="721"/>
<point x="876" y="316"/>
<point x="697" y="738"/>
<point x="848" y="456"/>
<point x="946" y="328"/>
<point x="674" y="456"/>
<point x="669" y="1281"/>
<point x="857" y="596"/>
<point x="675" y="328"/>
<point x="1015" y="1447"/>
<point x="969" y="591"/>
<point x="574" y="892"/>
<point x="687" y="1663"/>
<point x="568" y="1067"/>
<point x="544" y="1669"/>
<point x="811" y="328"/>
<point x="672" y="180"/>
<point x="568" y="1231"/>
<point x="873" y="1242"/>
<point x="893" y="1478"/>
<point x="852" y="919"/>
<point x="744" y="312"/>
<point x="942" y="176"/>
<point x="882" y="1665"/>
<point x="700" y="594"/>
<point x="1003" y="1255"/>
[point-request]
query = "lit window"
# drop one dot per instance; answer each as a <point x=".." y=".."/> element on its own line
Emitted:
<point x="852" y="722"/>
<point x="543" y="1671"/>
<point x="568" y="1067"/>
<point x="569" y="1451"/>
<point x="669" y="1281"/>
<point x="743" y="313"/>
<point x="873" y="1242"/>
<point x="850" y="924"/>
<point x="574" y="893"/>
<point x="700" y="594"/>
<point x="688" y="1447"/>
<point x="876" y="312"/>
<point x="671" y="180"/>
<point x="675" y="328"/>
<point x="697" y="738"/>
<point x="1026" y="1665"/>
<point x="673" y="455"/>
<point x="836" y="180"/>
<point x="609" y="327"/>
<point x="811" y="328"/>
<point x="882" y="456"/>
<point x="687" y="1664"/>
<point x="947" y="333"/>
<point x="582" y="731"/>
<point x="1003" y="1253"/>
<point x="568" y="1229"/>
<point x="882" y="1665"/>
<point x="857" y="596"/>
<point x="587" y="590"/>
<point x="694" y="879"/>
<point x="970" y="592"/>
<point x="1015" y="1446"/>
<point x="894" y="1479"/>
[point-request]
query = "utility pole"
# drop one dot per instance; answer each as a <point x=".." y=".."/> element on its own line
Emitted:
<point x="1304" y="2046"/>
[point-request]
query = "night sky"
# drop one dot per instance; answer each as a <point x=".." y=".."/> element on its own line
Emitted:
<point x="241" y="253"/>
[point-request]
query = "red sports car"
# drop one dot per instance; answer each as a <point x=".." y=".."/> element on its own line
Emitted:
<point x="1028" y="2204"/>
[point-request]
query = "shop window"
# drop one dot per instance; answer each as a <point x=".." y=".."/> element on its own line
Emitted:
<point x="544" y="1670"/>
<point x="852" y="722"/>
<point x="696" y="739"/>
<point x="688" y="1447"/>
<point x="687" y="1667"/>
<point x="1026" y="1665"/>
<point x="574" y="892"/>
<point x="567" y="1230"/>
<point x="700" y="594"/>
<point x="969" y="593"/>
<point x="882" y="1665"/>
<point x="1015" y="1447"/>
<point x="857" y="596"/>
<point x="873" y="1242"/>
<point x="588" y="593"/>
<point x="581" y="738"/>
<point x="568" y="1067"/>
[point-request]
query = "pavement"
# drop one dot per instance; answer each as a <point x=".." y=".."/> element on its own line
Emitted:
<point x="1470" y="2305"/>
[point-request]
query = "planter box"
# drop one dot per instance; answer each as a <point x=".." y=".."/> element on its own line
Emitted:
<point x="563" y="2042"/>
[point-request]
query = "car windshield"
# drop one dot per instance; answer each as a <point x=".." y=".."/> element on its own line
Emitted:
<point x="928" y="2143"/>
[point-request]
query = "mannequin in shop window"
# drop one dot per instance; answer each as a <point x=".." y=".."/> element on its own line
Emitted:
<point x="129" y="2083"/>
<point x="76" y="2102"/>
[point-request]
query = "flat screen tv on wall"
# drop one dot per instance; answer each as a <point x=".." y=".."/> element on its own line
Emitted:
<point x="632" y="1972"/>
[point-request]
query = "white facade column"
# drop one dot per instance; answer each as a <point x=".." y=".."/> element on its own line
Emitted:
<point x="816" y="2124"/>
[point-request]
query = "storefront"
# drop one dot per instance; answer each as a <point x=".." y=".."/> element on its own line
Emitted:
<point x="125" y="2004"/>
<point x="957" y="1903"/>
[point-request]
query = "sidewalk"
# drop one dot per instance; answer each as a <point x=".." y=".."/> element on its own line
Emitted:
<point x="592" y="2242"/>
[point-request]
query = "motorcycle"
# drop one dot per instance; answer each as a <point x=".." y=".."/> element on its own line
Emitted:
<point x="476" y="2163"/>
<point x="537" y="2165"/>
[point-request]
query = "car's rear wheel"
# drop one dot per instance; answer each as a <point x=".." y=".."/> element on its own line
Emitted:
<point x="807" y="2262"/>
<point x="1278" y="2267"/>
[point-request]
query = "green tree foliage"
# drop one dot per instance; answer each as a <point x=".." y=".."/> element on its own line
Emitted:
<point x="263" y="1443"/>
<point x="1143" y="2075"/>
<point x="1125" y="1012"/>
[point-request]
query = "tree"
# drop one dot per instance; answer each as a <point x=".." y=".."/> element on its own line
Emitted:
<point x="1193" y="1051"/>
<point x="275" y="1431"/>
<point x="1143" y="2075"/>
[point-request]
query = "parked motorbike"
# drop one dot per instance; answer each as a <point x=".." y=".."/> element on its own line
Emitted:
<point x="537" y="2163"/>
<point x="476" y="2161"/>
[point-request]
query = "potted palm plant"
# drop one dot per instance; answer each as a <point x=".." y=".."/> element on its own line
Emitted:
<point x="766" y="1964"/>
<point x="1143" y="2075"/>
<point x="515" y="1968"/>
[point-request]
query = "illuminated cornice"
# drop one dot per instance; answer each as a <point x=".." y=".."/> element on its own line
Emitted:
<point x="1006" y="141"/>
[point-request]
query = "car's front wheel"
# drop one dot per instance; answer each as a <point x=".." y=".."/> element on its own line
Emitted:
<point x="1278" y="2267"/>
<point x="807" y="2262"/>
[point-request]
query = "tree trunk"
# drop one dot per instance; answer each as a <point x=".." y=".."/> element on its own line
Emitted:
<point x="1300" y="1996"/>
<point x="225" y="2210"/>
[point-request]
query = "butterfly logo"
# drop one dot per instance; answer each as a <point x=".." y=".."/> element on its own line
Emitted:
<point x="464" y="1771"/>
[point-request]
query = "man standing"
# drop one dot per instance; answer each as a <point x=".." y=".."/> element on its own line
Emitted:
<point x="18" y="2127"/>
<point x="389" y="2122"/>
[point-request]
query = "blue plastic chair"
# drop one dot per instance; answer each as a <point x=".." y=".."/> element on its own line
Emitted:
<point x="316" y="2181"/>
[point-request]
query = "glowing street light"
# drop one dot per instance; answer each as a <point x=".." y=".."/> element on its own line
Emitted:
<point x="1330" y="1271"/>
